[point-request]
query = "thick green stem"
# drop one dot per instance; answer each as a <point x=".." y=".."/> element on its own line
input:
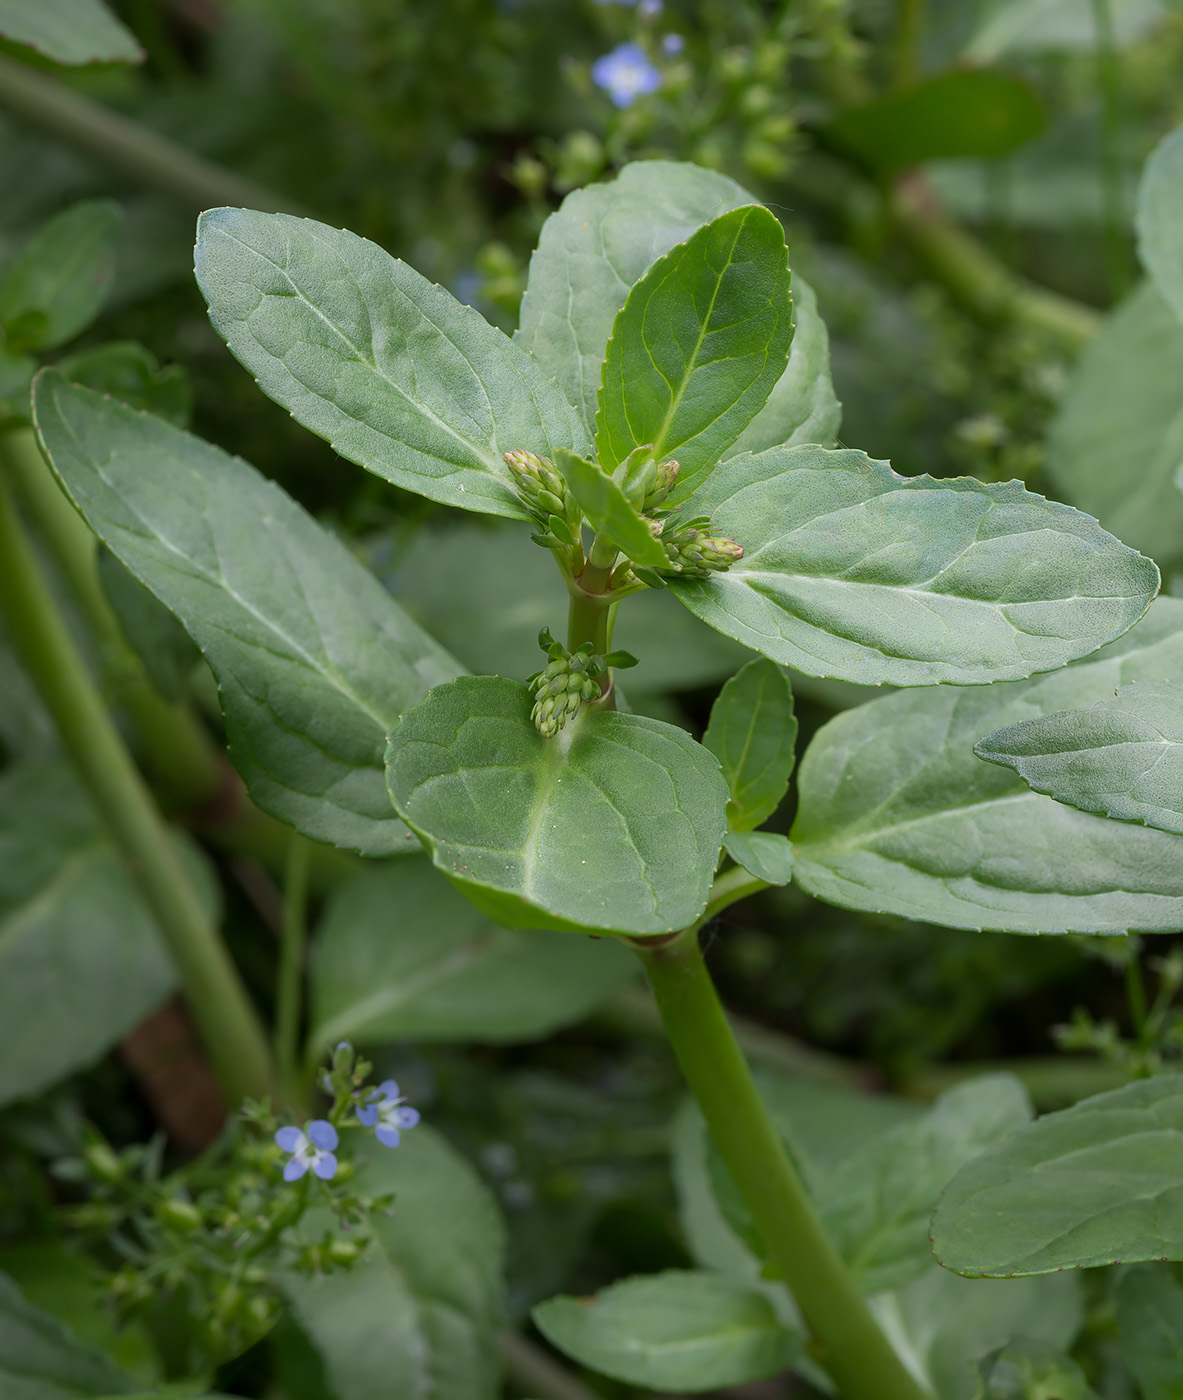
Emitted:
<point x="909" y="32"/>
<point x="291" y="971"/>
<point x="226" y="1021"/>
<point x="174" y="745"/>
<point x="847" y="1340"/>
<point x="592" y="612"/>
<point x="146" y="156"/>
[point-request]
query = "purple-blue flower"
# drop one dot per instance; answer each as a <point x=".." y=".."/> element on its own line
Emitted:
<point x="650" y="9"/>
<point x="385" y="1114"/>
<point x="311" y="1147"/>
<point x="672" y="44"/>
<point x="625" y="74"/>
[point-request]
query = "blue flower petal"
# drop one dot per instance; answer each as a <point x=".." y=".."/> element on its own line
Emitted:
<point x="367" y="1117"/>
<point x="295" y="1169"/>
<point x="289" y="1138"/>
<point x="406" y="1117"/>
<point x="322" y="1133"/>
<point x="325" y="1165"/>
<point x="388" y="1089"/>
<point x="387" y="1136"/>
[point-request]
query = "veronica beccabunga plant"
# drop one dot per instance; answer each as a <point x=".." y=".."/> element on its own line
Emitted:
<point x="660" y="421"/>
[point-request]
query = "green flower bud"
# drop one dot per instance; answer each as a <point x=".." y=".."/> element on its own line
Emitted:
<point x="664" y="475"/>
<point x="692" y="552"/>
<point x="179" y="1215"/>
<point x="344" y="1252"/>
<point x="104" y="1163"/>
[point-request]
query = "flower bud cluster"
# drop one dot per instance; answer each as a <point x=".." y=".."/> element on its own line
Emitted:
<point x="693" y="552"/>
<point x="570" y="679"/>
<point x="544" y="493"/>
<point x="645" y="482"/>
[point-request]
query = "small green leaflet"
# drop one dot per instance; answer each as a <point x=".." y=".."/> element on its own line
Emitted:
<point x="697" y="347"/>
<point x="69" y="31"/>
<point x="388" y="367"/>
<point x="852" y="572"/>
<point x="765" y="854"/>
<point x="313" y="657"/>
<point x="614" y="825"/>
<point x="605" y="505"/>
<point x="897" y="814"/>
<point x="1121" y="757"/>
<point x="1160" y="219"/>
<point x="753" y="734"/>
<point x="1097" y="1183"/>
<point x="679" y="1330"/>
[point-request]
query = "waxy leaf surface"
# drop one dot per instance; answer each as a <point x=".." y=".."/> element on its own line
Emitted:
<point x="697" y="347"/>
<point x="314" y="659"/>
<point x="753" y="734"/>
<point x="388" y="367"/>
<point x="852" y="572"/>
<point x="679" y="1330"/>
<point x="613" y="825"/>
<point x="1122" y="757"/>
<point x="605" y="505"/>
<point x="401" y="956"/>
<point x="897" y="814"/>
<point x="69" y="31"/>
<point x="1117" y="441"/>
<point x="602" y="239"/>
<point x="1160" y="219"/>
<point x="1150" y="1330"/>
<point x="1098" y="1183"/>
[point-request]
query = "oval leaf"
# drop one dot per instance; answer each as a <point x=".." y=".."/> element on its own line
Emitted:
<point x="1098" y="1183"/>
<point x="614" y="825"/>
<point x="765" y="854"/>
<point x="605" y="505"/>
<point x="697" y="347"/>
<point x="69" y="31"/>
<point x="678" y="1330"/>
<point x="388" y="367"/>
<point x="1160" y="219"/>
<point x="1121" y="757"/>
<point x="314" y="659"/>
<point x="852" y="572"/>
<point x="897" y="814"/>
<point x="753" y="734"/>
<point x="441" y="971"/>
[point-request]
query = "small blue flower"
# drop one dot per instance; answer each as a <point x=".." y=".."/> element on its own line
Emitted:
<point x="650" y="9"/>
<point x="313" y="1148"/>
<point x="384" y="1114"/>
<point x="625" y="74"/>
<point x="672" y="44"/>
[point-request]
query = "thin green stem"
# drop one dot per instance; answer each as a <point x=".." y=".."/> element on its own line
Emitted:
<point x="146" y="156"/>
<point x="909" y="31"/>
<point x="225" y="1019"/>
<point x="535" y="1372"/>
<point x="847" y="1340"/>
<point x="1135" y="989"/>
<point x="1108" y="87"/>
<point x="291" y="971"/>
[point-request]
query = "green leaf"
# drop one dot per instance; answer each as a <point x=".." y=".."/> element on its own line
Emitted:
<point x="896" y="813"/>
<point x="40" y="1359"/>
<point x="388" y="367"/>
<point x="494" y="630"/>
<point x="753" y="734"/>
<point x="168" y="652"/>
<point x="81" y="961"/>
<point x="765" y="854"/>
<point x="129" y="371"/>
<point x="59" y="282"/>
<point x="802" y="406"/>
<point x="1026" y="1372"/>
<point x="417" y="1317"/>
<point x="440" y="971"/>
<point x="697" y="347"/>
<point x="314" y="659"/>
<point x="69" y="31"/>
<point x="1041" y="26"/>
<point x="953" y="115"/>
<point x="16" y="375"/>
<point x="853" y="572"/>
<point x="605" y="505"/>
<point x="678" y="1330"/>
<point x="1150" y="1331"/>
<point x="1121" y="757"/>
<point x="877" y="1204"/>
<point x="1097" y="1183"/>
<point x="1160" y="219"/>
<point x="1117" y="440"/>
<point x="614" y="825"/>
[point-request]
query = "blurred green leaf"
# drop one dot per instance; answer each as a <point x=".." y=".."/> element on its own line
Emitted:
<point x="897" y="814"/>
<point x="1026" y="1372"/>
<point x="753" y="734"/>
<point x="389" y="368"/>
<point x="400" y="955"/>
<point x="697" y="347"/>
<point x="853" y="572"/>
<point x="59" y="281"/>
<point x="41" y="1359"/>
<point x="968" y="113"/>
<point x="1036" y="26"/>
<point x="1095" y="1184"/>
<point x="417" y="1317"/>
<point x="1160" y="219"/>
<point x="613" y="825"/>
<point x="168" y="652"/>
<point x="1117" y="440"/>
<point x="1122" y="757"/>
<point x="69" y="31"/>
<point x="129" y="371"/>
<point x="678" y="1330"/>
<point x="1150" y="1330"/>
<point x="314" y="659"/>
